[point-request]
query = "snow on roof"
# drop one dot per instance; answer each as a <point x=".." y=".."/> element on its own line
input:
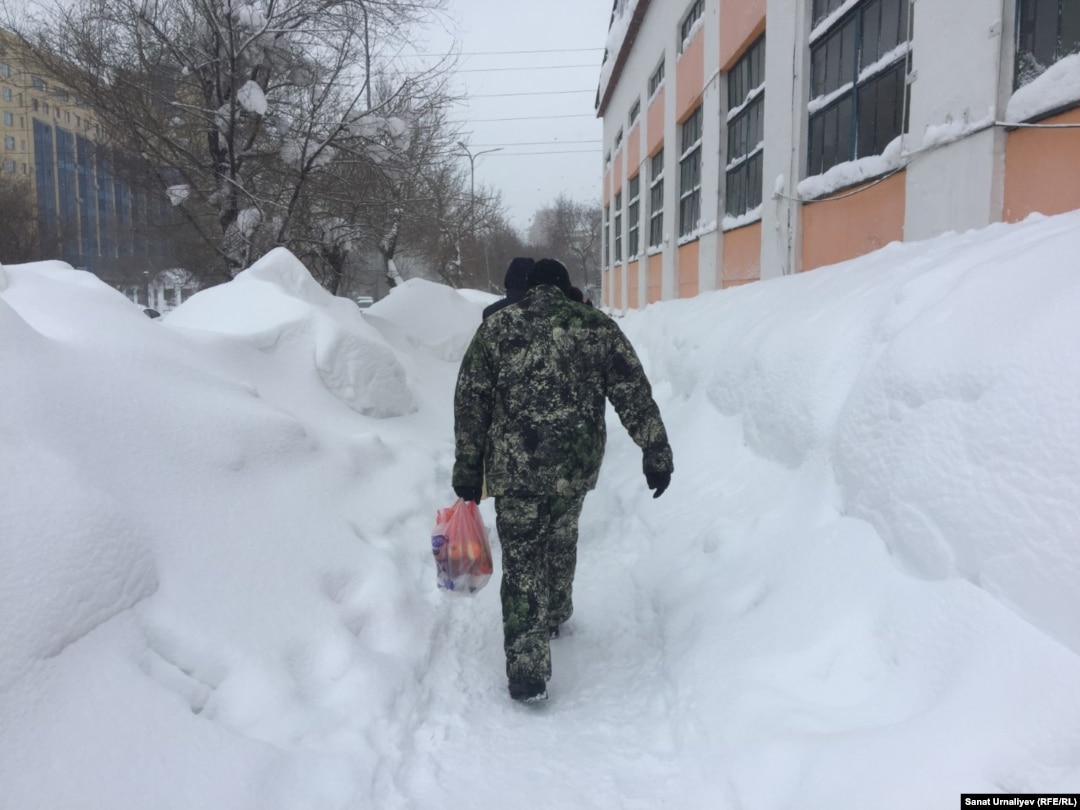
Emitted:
<point x="622" y="14"/>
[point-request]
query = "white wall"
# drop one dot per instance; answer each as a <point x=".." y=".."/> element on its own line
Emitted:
<point x="957" y="49"/>
<point x="786" y="92"/>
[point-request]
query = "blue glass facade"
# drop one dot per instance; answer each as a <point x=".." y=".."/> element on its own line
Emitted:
<point x="45" y="178"/>
<point x="88" y="203"/>
<point x="67" y="197"/>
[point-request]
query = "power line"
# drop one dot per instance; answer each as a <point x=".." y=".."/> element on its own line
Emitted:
<point x="560" y="152"/>
<point x="512" y="53"/>
<point x="537" y="67"/>
<point x="534" y="93"/>
<point x="536" y="143"/>
<point x="527" y="118"/>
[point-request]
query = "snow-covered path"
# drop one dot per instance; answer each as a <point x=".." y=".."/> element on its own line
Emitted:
<point x="218" y="593"/>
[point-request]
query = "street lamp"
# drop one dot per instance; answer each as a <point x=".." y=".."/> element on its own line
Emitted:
<point x="472" y="171"/>
<point x="472" y="191"/>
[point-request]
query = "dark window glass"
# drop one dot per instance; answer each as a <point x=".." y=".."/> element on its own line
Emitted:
<point x="871" y="34"/>
<point x="861" y="122"/>
<point x="822" y="8"/>
<point x="618" y="227"/>
<point x="1049" y="30"/>
<point x="817" y="73"/>
<point x="1070" y="28"/>
<point x="816" y="163"/>
<point x="656" y="78"/>
<point x="633" y="216"/>
<point x="891" y="36"/>
<point x="745" y="135"/>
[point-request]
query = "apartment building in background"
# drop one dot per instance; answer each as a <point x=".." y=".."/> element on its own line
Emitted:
<point x="88" y="215"/>
<point x="749" y="139"/>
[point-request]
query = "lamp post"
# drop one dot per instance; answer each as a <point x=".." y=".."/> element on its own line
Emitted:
<point x="472" y="191"/>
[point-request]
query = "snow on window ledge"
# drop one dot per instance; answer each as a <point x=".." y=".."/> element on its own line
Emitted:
<point x="827" y="23"/>
<point x="699" y="23"/>
<point x="697" y="233"/>
<point x="853" y="172"/>
<point x="731" y="223"/>
<point x="1058" y="87"/>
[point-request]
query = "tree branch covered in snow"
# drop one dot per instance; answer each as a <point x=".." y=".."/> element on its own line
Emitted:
<point x="249" y="106"/>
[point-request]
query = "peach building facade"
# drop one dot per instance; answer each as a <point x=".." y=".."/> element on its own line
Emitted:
<point x="749" y="139"/>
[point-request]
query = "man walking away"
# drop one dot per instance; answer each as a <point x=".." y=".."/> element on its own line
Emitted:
<point x="529" y="410"/>
<point x="516" y="284"/>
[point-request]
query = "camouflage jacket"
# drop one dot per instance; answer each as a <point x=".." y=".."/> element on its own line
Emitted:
<point x="530" y="399"/>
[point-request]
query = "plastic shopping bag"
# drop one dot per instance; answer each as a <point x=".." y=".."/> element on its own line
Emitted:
<point x="460" y="545"/>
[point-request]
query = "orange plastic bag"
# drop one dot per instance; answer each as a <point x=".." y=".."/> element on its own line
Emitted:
<point x="460" y="545"/>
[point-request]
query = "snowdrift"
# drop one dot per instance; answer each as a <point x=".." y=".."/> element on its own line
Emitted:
<point x="218" y="592"/>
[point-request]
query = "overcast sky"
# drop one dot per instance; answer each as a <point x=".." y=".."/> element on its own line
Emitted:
<point x="519" y="60"/>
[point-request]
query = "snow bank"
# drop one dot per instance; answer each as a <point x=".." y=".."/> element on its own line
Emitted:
<point x="218" y="591"/>
<point x="928" y="377"/>
<point x="448" y="322"/>
<point x="279" y="308"/>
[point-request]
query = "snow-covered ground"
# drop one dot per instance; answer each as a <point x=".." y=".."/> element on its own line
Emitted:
<point x="217" y="591"/>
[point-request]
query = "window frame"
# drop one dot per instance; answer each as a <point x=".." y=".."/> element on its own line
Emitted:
<point x="656" y="79"/>
<point x="743" y="167"/>
<point x="617" y="231"/>
<point x="686" y="24"/>
<point x="690" y="140"/>
<point x="633" y="216"/>
<point x="635" y="112"/>
<point x="656" y="199"/>
<point x="844" y="81"/>
<point x="1066" y="36"/>
<point x="606" y="246"/>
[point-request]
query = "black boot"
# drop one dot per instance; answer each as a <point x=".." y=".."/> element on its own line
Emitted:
<point x="528" y="691"/>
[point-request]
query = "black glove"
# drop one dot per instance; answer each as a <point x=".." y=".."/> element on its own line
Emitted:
<point x="470" y="493"/>
<point x="658" y="481"/>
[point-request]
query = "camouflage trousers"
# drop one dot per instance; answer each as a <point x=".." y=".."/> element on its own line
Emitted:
<point x="538" y="537"/>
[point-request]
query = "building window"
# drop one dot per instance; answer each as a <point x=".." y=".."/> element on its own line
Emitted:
<point x="746" y="131"/>
<point x="656" y="199"/>
<point x="635" y="111"/>
<point x="9" y="119"/>
<point x="9" y="143"/>
<point x="633" y="216"/>
<point x="656" y="79"/>
<point x="9" y="166"/>
<point x="687" y="27"/>
<point x="5" y="70"/>
<point x="823" y="8"/>
<point x="606" y="246"/>
<point x="618" y="227"/>
<point x="1047" y="32"/>
<point x="690" y="174"/>
<point x="7" y="94"/>
<point x="618" y="140"/>
<point x="607" y="161"/>
<point x="857" y="81"/>
<point x="37" y="83"/>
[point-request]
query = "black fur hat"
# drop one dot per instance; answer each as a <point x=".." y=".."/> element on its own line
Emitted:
<point x="517" y="274"/>
<point x="549" y="271"/>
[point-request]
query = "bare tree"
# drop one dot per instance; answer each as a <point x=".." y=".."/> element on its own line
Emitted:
<point x="18" y="223"/>
<point x="571" y="231"/>
<point x="243" y="109"/>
